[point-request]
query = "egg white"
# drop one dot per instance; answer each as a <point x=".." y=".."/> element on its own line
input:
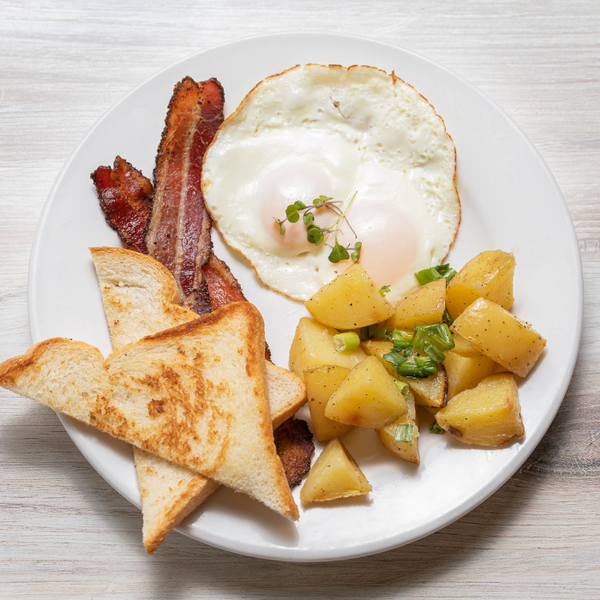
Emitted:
<point x="344" y="133"/>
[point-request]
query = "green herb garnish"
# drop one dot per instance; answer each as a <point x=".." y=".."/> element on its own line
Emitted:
<point x="317" y="235"/>
<point x="433" y="273"/>
<point x="384" y="289"/>
<point x="348" y="340"/>
<point x="435" y="428"/>
<point x="404" y="433"/>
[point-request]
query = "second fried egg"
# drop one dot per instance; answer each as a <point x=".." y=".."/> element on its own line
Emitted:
<point x="343" y="133"/>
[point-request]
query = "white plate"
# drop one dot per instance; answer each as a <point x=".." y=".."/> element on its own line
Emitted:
<point x="510" y="201"/>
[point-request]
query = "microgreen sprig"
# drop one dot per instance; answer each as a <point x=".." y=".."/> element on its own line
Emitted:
<point x="318" y="235"/>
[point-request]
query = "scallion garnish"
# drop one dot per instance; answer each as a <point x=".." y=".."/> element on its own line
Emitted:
<point x="348" y="340"/>
<point x="403" y="387"/>
<point x="317" y="235"/>
<point x="427" y="275"/>
<point x="404" y="433"/>
<point x="435" y="428"/>
<point x="384" y="289"/>
<point x="447" y="318"/>
<point x="433" y="273"/>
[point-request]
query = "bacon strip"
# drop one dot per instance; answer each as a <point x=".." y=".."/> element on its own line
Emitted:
<point x="179" y="230"/>
<point x="126" y="199"/>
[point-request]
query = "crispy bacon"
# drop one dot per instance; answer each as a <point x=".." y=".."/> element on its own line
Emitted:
<point x="126" y="199"/>
<point x="179" y="230"/>
<point x="295" y="446"/>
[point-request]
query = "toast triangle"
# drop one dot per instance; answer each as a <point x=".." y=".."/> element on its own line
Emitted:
<point x="194" y="395"/>
<point x="140" y="297"/>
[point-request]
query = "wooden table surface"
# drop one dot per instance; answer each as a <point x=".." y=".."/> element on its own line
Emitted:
<point x="64" y="532"/>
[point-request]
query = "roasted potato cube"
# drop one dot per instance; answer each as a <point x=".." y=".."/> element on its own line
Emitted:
<point x="320" y="384"/>
<point x="429" y="392"/>
<point x="335" y="474"/>
<point x="488" y="415"/>
<point x="465" y="372"/>
<point x="350" y="301"/>
<point x="313" y="346"/>
<point x="368" y="397"/>
<point x="499" y="335"/>
<point x="406" y="450"/>
<point x="488" y="275"/>
<point x="422" y="307"/>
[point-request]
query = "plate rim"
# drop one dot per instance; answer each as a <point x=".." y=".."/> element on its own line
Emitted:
<point x="439" y="522"/>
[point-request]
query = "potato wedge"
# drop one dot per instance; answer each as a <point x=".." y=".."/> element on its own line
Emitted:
<point x="406" y="450"/>
<point x="313" y="346"/>
<point x="368" y="397"/>
<point x="430" y="392"/>
<point x="335" y="474"/>
<point x="501" y="336"/>
<point x="422" y="307"/>
<point x="488" y="275"/>
<point x="321" y="382"/>
<point x="465" y="372"/>
<point x="488" y="415"/>
<point x="350" y="301"/>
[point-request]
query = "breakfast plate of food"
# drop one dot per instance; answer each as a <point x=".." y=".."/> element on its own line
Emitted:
<point x="332" y="229"/>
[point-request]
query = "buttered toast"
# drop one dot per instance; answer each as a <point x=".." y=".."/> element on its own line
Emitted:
<point x="141" y="297"/>
<point x="195" y="395"/>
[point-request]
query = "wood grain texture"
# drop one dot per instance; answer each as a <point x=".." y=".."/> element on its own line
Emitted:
<point x="64" y="532"/>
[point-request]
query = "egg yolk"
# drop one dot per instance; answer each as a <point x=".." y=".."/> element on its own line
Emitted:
<point x="287" y="183"/>
<point x="389" y="241"/>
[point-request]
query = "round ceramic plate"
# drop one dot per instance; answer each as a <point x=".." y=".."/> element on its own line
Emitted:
<point x="509" y="200"/>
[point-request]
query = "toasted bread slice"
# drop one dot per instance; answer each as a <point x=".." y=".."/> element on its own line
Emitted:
<point x="195" y="395"/>
<point x="141" y="297"/>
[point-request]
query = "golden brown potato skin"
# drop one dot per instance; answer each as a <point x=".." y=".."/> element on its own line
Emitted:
<point x="488" y="415"/>
<point x="350" y="301"/>
<point x="488" y="275"/>
<point x="335" y="474"/>
<point x="501" y="336"/>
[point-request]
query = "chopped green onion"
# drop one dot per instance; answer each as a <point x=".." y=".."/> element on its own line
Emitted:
<point x="447" y="318"/>
<point x="404" y="433"/>
<point x="435" y="428"/>
<point x="403" y="387"/>
<point x="433" y="352"/>
<point x="400" y="339"/>
<point x="395" y="358"/>
<point x="427" y="275"/>
<point x="349" y="340"/>
<point x="384" y="289"/>
<point x="433" y="273"/>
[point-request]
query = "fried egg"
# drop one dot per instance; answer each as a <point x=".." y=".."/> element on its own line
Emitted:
<point x="358" y="135"/>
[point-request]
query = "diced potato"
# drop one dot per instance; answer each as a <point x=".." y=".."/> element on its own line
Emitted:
<point x="378" y="348"/>
<point x="335" y="474"/>
<point x="422" y="307"/>
<point x="313" y="346"/>
<point x="501" y="336"/>
<point x="488" y="275"/>
<point x="350" y="301"/>
<point x="431" y="391"/>
<point x="320" y="384"/>
<point x="465" y="372"/>
<point x="488" y="415"/>
<point x="368" y="397"/>
<point x="406" y="450"/>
